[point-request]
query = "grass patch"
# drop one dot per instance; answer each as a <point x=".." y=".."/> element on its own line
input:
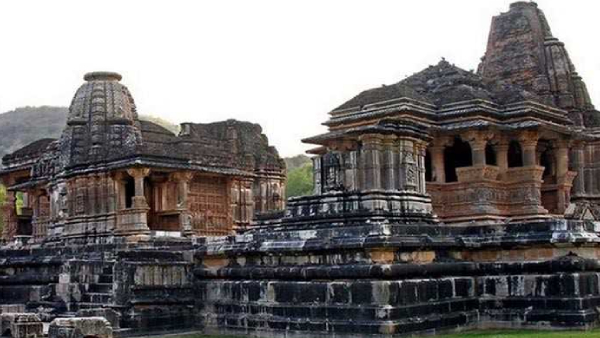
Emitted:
<point x="469" y="334"/>
<point x="524" y="334"/>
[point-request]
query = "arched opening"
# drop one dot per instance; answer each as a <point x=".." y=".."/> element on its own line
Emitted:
<point x="6" y="333"/>
<point x="129" y="192"/>
<point x="490" y="155"/>
<point x="428" y="168"/>
<point x="457" y="156"/>
<point x="515" y="155"/>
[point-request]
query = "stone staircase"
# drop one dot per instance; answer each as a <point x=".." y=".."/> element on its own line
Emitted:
<point x="99" y="294"/>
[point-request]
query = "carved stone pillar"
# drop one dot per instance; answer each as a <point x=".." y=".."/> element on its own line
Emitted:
<point x="438" y="165"/>
<point x="478" y="140"/>
<point x="408" y="166"/>
<point x="119" y="188"/>
<point x="351" y="181"/>
<point x="317" y="175"/>
<point x="529" y="141"/>
<point x="579" y="167"/>
<point x="139" y="199"/>
<point x="563" y="175"/>
<point x="562" y="158"/>
<point x="371" y="159"/>
<point x="502" y="157"/>
<point x="420" y="149"/>
<point x="134" y="222"/>
<point x="9" y="213"/>
<point x="183" y="179"/>
<point x="389" y="162"/>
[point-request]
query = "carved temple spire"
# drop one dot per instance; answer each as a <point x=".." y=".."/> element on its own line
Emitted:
<point x="522" y="51"/>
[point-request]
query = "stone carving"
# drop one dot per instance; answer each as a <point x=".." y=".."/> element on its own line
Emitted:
<point x="80" y="327"/>
<point x="331" y="166"/>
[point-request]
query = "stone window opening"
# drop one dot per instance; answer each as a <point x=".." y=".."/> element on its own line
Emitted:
<point x="129" y="192"/>
<point x="548" y="161"/>
<point x="515" y="155"/>
<point x="490" y="155"/>
<point x="456" y="156"/>
<point x="428" y="167"/>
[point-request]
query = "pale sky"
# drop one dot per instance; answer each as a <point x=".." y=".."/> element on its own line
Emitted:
<point x="283" y="64"/>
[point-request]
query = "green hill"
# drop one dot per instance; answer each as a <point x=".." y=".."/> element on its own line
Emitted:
<point x="24" y="125"/>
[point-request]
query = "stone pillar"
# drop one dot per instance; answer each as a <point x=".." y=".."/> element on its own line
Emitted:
<point x="562" y="158"/>
<point x="407" y="168"/>
<point x="371" y="159"/>
<point x="438" y="165"/>
<point x="563" y="175"/>
<point x="317" y="175"/>
<point x="389" y="162"/>
<point x="133" y="222"/>
<point x="579" y="167"/>
<point x="119" y="188"/>
<point x="9" y="213"/>
<point x="502" y="158"/>
<point x="420" y="149"/>
<point x="350" y="160"/>
<point x="478" y="140"/>
<point x="529" y="141"/>
<point x="139" y="199"/>
<point x="183" y="179"/>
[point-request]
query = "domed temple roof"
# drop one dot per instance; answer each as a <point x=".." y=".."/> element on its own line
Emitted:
<point x="102" y="97"/>
<point x="102" y="123"/>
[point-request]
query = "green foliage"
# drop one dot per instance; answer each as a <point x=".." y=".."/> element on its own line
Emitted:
<point x="19" y="203"/>
<point x="296" y="162"/>
<point x="300" y="181"/>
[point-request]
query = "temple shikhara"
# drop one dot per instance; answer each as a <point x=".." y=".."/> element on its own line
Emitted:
<point x="452" y="199"/>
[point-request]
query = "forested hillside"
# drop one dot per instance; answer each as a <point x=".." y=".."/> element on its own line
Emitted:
<point x="24" y="125"/>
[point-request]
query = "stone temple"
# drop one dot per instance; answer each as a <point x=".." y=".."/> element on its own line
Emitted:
<point x="449" y="200"/>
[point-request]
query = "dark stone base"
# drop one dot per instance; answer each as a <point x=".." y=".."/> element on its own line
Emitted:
<point x="324" y="280"/>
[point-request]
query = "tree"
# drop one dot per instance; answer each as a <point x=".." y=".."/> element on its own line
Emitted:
<point x="300" y="181"/>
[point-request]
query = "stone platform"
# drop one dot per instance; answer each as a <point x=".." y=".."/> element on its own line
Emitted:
<point x="393" y="279"/>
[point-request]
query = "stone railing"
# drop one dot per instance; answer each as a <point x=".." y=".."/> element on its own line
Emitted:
<point x="480" y="195"/>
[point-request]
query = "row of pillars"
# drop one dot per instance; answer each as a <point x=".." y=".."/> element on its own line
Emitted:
<point x="139" y="198"/>
<point x="385" y="162"/>
<point x="478" y="140"/>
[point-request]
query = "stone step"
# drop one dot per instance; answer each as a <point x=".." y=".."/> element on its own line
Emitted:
<point x="91" y="305"/>
<point x="101" y="287"/>
<point x="96" y="297"/>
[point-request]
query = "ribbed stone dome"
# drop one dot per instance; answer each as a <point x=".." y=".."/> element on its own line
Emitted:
<point x="102" y="97"/>
<point x="102" y="122"/>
